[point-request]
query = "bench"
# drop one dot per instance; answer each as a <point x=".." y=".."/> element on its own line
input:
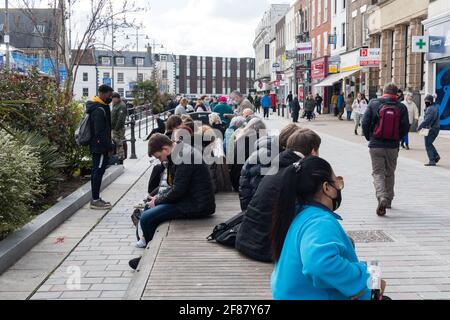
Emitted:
<point x="179" y="264"/>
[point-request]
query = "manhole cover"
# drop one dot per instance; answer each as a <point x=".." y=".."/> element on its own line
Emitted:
<point x="369" y="236"/>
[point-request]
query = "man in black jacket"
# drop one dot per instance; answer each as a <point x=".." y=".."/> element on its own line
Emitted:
<point x="253" y="238"/>
<point x="384" y="152"/>
<point x="101" y="143"/>
<point x="190" y="193"/>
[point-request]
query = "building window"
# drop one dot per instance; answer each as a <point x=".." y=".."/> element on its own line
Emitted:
<point x="164" y="74"/>
<point x="335" y="6"/>
<point x="319" y="12"/>
<point x="106" y="61"/>
<point x="106" y="75"/>
<point x="120" y="61"/>
<point x="121" y="91"/>
<point x="313" y="14"/>
<point x="85" y="76"/>
<point x="343" y="4"/>
<point x="120" y="78"/>
<point x="319" y="45"/>
<point x="139" y="61"/>
<point x="140" y="77"/>
<point x="314" y="47"/>
<point x="335" y="38"/>
<point x="325" y="43"/>
<point x="343" y="34"/>
<point x="355" y="33"/>
<point x="85" y="92"/>
<point x="163" y="58"/>
<point x="325" y="10"/>
<point x="39" y="29"/>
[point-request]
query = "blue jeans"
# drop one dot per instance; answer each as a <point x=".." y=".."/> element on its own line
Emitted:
<point x="152" y="218"/>
<point x="99" y="164"/>
<point x="431" y="150"/>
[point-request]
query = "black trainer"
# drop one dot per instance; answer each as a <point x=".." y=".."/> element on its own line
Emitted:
<point x="134" y="263"/>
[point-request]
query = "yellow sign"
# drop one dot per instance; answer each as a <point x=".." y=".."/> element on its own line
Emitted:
<point x="333" y="69"/>
<point x="350" y="68"/>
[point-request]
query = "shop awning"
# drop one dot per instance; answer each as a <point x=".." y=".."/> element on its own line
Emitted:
<point x="332" y="79"/>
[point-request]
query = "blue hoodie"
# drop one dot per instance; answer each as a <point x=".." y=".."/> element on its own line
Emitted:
<point x="318" y="261"/>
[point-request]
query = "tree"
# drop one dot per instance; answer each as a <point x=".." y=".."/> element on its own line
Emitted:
<point x="147" y="92"/>
<point x="103" y="15"/>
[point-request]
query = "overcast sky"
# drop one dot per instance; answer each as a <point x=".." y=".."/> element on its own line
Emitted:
<point x="206" y="27"/>
<point x="191" y="27"/>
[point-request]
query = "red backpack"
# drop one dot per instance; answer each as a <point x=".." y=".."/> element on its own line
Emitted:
<point x="388" y="126"/>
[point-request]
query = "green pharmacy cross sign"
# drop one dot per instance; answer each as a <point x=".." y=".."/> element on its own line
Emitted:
<point x="420" y="44"/>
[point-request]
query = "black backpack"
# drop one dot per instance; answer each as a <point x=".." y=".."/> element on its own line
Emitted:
<point x="225" y="233"/>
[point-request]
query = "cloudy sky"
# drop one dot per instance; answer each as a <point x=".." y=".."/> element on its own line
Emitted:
<point x="206" y="27"/>
<point x="191" y="27"/>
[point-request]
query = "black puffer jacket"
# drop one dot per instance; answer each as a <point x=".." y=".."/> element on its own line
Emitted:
<point x="192" y="190"/>
<point x="254" y="236"/>
<point x="251" y="174"/>
<point x="100" y="122"/>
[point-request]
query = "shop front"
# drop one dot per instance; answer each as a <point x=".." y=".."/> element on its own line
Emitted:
<point x="319" y="71"/>
<point x="438" y="30"/>
<point x="355" y="81"/>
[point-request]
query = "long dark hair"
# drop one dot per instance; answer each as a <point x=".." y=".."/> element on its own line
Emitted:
<point x="301" y="182"/>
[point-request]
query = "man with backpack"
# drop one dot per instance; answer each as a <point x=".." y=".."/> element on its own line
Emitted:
<point x="101" y="144"/>
<point x="385" y="122"/>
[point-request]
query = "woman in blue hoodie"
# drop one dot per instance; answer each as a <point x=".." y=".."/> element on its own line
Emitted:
<point x="315" y="259"/>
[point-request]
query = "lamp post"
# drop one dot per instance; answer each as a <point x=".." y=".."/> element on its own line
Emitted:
<point x="137" y="50"/>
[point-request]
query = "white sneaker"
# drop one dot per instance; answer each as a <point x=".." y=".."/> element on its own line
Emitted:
<point x="141" y="244"/>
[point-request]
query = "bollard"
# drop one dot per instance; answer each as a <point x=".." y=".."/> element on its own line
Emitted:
<point x="133" y="139"/>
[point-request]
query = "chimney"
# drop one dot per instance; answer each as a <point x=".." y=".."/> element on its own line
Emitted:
<point x="149" y="50"/>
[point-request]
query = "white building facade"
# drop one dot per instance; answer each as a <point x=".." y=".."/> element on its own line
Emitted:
<point x="338" y="28"/>
<point x="265" y="32"/>
<point x="129" y="68"/>
<point x="165" y="69"/>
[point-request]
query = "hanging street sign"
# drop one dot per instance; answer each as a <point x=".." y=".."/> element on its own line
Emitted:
<point x="370" y="57"/>
<point x="304" y="48"/>
<point x="420" y="44"/>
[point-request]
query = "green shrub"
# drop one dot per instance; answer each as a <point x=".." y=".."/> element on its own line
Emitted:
<point x="20" y="184"/>
<point x="52" y="161"/>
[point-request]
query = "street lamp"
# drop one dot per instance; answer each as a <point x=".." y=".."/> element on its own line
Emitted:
<point x="137" y="50"/>
<point x="6" y="32"/>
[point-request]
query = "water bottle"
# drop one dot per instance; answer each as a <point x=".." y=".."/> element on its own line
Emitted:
<point x="374" y="283"/>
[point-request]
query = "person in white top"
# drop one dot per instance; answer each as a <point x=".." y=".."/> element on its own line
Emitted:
<point x="359" y="108"/>
<point x="413" y="113"/>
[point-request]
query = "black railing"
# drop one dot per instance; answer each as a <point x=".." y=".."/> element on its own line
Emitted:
<point x="141" y="116"/>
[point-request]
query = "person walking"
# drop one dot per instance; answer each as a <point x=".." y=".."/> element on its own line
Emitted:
<point x="319" y="101"/>
<point x="118" y="118"/>
<point x="432" y="123"/>
<point x="334" y="100"/>
<point x="385" y="123"/>
<point x="310" y="105"/>
<point x="101" y="145"/>
<point x="359" y="109"/>
<point x="295" y="110"/>
<point x="348" y="106"/>
<point x="250" y="98"/>
<point x="266" y="103"/>
<point x="290" y="100"/>
<point x="413" y="113"/>
<point x="258" y="103"/>
<point x="340" y="105"/>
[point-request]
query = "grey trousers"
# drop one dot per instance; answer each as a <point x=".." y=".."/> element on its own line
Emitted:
<point x="384" y="164"/>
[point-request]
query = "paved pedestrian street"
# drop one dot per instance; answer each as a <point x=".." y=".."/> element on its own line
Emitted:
<point x="411" y="242"/>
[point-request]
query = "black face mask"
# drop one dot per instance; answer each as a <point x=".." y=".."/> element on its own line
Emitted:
<point x="108" y="101"/>
<point x="338" y="200"/>
<point x="428" y="104"/>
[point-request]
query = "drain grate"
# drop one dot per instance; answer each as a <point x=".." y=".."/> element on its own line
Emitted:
<point x="369" y="236"/>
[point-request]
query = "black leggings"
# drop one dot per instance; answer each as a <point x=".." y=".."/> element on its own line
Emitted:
<point x="266" y="113"/>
